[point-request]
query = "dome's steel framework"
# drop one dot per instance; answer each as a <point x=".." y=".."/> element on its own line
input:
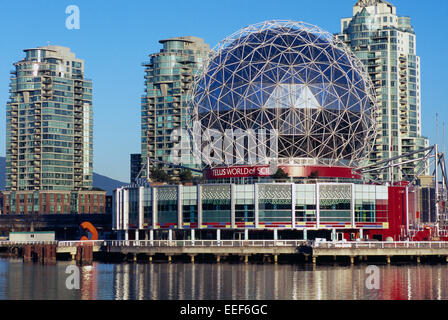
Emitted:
<point x="286" y="81"/>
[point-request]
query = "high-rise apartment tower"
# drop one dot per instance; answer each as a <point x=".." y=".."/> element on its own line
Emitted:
<point x="168" y="83"/>
<point x="49" y="123"/>
<point x="49" y="136"/>
<point x="386" y="43"/>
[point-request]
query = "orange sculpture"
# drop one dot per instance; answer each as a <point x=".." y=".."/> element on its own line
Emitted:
<point x="91" y="229"/>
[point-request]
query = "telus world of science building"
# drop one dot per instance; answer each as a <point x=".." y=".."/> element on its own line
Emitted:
<point x="278" y="94"/>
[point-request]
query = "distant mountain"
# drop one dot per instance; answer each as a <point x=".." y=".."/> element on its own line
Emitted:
<point x="99" y="181"/>
<point x="106" y="183"/>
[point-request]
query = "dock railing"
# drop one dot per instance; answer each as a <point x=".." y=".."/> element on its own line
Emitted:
<point x="94" y="243"/>
<point x="24" y="243"/>
<point x="381" y="245"/>
<point x="237" y="243"/>
<point x="206" y="243"/>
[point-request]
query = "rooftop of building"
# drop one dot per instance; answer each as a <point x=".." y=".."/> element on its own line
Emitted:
<point x="189" y="39"/>
<point x="56" y="52"/>
<point x="367" y="3"/>
<point x="374" y="7"/>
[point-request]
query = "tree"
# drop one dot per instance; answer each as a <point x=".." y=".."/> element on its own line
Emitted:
<point x="280" y="175"/>
<point x="158" y="175"/>
<point x="186" y="176"/>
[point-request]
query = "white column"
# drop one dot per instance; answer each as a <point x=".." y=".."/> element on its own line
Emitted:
<point x="192" y="235"/>
<point x="137" y="235"/>
<point x="275" y="234"/>
<point x="352" y="206"/>
<point x="125" y="209"/>
<point x="170" y="234"/>
<point x="305" y="234"/>
<point x="246" y="234"/>
<point x="199" y="190"/>
<point x="333" y="235"/>
<point x="317" y="206"/>
<point x="151" y="235"/>
<point x="154" y="207"/>
<point x="293" y="206"/>
<point x="218" y="234"/>
<point x="257" y="220"/>
<point x="115" y="207"/>
<point x="232" y="205"/>
<point x="361" y="233"/>
<point x="179" y="207"/>
<point x="126" y="235"/>
<point x="140" y="207"/>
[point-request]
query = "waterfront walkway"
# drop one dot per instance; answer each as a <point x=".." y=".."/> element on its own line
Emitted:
<point x="244" y="250"/>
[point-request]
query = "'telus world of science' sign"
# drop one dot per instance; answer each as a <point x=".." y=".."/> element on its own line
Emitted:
<point x="238" y="172"/>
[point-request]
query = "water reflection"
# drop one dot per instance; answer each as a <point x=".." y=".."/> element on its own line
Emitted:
<point x="181" y="281"/>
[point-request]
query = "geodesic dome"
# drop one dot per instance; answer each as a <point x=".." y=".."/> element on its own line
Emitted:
<point x="302" y="95"/>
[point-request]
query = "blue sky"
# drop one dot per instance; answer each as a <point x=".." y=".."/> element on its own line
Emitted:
<point x="116" y="36"/>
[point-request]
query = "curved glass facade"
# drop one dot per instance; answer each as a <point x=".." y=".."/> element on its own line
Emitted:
<point x="263" y="206"/>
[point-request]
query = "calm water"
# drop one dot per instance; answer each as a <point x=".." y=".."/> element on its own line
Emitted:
<point x="180" y="281"/>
